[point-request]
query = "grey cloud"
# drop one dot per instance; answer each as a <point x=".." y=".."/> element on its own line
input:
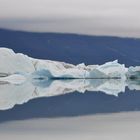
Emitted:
<point x="94" y="17"/>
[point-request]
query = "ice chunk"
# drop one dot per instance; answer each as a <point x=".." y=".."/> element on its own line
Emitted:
<point x="17" y="63"/>
<point x="133" y="72"/>
<point x="11" y="62"/>
<point x="113" y="69"/>
<point x="27" y="78"/>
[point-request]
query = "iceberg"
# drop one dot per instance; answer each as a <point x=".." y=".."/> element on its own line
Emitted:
<point x="25" y="67"/>
<point x="23" y="78"/>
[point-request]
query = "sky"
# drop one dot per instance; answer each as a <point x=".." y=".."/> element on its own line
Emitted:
<point x="92" y="17"/>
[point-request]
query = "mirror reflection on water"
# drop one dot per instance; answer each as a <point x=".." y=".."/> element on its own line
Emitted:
<point x="66" y="98"/>
<point x="82" y="109"/>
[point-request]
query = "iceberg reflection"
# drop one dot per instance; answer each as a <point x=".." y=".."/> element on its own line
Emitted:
<point x="12" y="94"/>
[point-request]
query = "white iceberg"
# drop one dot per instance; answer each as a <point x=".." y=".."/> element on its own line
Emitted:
<point x="23" y="78"/>
<point x="16" y="63"/>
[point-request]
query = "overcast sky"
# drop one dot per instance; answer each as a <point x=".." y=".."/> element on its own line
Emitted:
<point x="94" y="17"/>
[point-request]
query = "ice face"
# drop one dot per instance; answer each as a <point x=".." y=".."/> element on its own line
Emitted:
<point x="12" y="63"/>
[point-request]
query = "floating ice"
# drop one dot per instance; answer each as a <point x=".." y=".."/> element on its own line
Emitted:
<point x="23" y="78"/>
<point x="22" y="65"/>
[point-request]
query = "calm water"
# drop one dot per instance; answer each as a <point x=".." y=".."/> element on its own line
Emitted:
<point x="104" y="110"/>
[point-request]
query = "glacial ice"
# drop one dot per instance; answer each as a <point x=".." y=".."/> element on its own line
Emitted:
<point x="23" y="78"/>
<point x="24" y="66"/>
